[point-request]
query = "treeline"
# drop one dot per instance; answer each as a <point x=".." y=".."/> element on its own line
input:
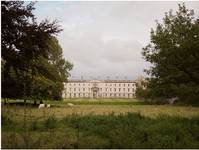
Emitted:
<point x="32" y="63"/>
<point x="174" y="55"/>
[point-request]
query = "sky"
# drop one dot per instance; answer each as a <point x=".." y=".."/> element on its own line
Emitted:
<point x="105" y="39"/>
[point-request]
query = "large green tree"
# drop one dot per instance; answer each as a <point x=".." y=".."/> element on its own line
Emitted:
<point x="174" y="54"/>
<point x="53" y="72"/>
<point x="26" y="45"/>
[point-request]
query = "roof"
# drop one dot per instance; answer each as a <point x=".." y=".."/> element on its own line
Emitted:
<point x="101" y="81"/>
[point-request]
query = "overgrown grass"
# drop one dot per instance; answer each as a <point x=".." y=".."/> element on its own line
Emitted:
<point x="103" y="125"/>
<point x="129" y="130"/>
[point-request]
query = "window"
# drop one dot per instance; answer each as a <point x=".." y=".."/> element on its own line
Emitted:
<point x="124" y="84"/>
<point x="115" y="84"/>
<point x="128" y="90"/>
<point x="83" y="89"/>
<point x="119" y="84"/>
<point x="110" y="84"/>
<point x="115" y="89"/>
<point x="74" y="83"/>
<point x="110" y="89"/>
<point x="119" y="89"/>
<point x="128" y="84"/>
<point x="74" y="89"/>
<point x="123" y="89"/>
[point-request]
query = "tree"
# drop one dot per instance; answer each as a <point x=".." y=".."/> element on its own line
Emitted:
<point x="14" y="17"/>
<point x="174" y="54"/>
<point x="60" y="65"/>
<point x="25" y="46"/>
<point x="53" y="72"/>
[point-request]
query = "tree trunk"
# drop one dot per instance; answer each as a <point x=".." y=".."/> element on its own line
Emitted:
<point x="5" y="101"/>
<point x="41" y="102"/>
<point x="35" y="102"/>
<point x="25" y="101"/>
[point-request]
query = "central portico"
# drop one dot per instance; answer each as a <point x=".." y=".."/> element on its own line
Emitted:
<point x="95" y="88"/>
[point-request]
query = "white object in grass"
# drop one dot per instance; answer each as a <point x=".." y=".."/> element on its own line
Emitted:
<point x="70" y="104"/>
<point x="41" y="106"/>
<point x="172" y="100"/>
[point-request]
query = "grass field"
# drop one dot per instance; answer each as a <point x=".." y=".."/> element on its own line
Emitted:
<point x="101" y="123"/>
<point x="104" y="107"/>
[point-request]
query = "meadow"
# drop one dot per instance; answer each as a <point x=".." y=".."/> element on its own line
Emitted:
<point x="104" y="123"/>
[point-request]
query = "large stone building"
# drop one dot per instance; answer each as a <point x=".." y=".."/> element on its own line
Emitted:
<point x="99" y="89"/>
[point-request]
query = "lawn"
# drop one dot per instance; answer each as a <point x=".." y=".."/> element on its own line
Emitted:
<point x="104" y="107"/>
<point x="100" y="124"/>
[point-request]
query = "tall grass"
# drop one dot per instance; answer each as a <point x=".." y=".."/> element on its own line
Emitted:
<point x="130" y="130"/>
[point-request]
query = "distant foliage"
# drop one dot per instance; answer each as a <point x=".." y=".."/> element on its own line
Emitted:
<point x="32" y="60"/>
<point x="142" y="93"/>
<point x="174" y="55"/>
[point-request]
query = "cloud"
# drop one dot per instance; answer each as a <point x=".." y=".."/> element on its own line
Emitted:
<point x="118" y="50"/>
<point x="106" y="38"/>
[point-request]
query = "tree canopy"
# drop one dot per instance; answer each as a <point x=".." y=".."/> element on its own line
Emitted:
<point x="174" y="55"/>
<point x="32" y="61"/>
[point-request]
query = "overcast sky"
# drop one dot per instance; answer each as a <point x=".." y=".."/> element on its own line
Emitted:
<point x="106" y="38"/>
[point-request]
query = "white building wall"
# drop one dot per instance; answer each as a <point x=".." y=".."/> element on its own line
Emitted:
<point x="106" y="89"/>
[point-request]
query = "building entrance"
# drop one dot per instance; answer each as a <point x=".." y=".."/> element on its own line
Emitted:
<point x="95" y="92"/>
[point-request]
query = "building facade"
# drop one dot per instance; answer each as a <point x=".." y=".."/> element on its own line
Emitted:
<point x="99" y="89"/>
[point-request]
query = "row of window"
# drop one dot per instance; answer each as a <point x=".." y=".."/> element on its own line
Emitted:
<point x="100" y="95"/>
<point x="109" y="84"/>
<point x="100" y="89"/>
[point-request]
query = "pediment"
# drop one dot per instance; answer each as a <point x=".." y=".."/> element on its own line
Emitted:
<point x="95" y="81"/>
